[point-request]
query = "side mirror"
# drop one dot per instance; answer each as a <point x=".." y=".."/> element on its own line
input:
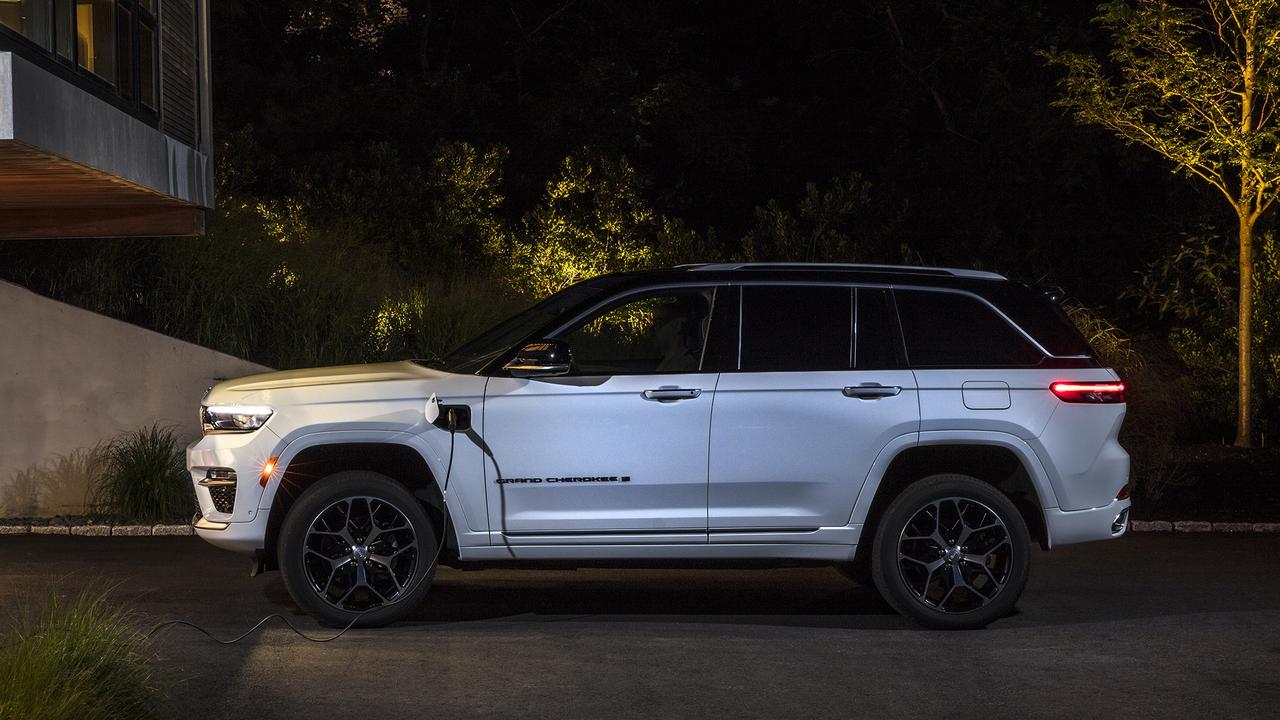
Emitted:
<point x="543" y="358"/>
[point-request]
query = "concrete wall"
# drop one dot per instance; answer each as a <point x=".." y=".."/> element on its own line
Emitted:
<point x="70" y="379"/>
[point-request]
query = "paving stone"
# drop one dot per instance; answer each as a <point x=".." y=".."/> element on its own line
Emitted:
<point x="1150" y="526"/>
<point x="172" y="530"/>
<point x="14" y="529"/>
<point x="91" y="530"/>
<point x="1266" y="527"/>
<point x="1232" y="527"/>
<point x="1193" y="526"/>
<point x="131" y="531"/>
<point x="50" y="530"/>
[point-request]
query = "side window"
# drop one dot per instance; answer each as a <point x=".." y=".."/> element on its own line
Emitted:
<point x="796" y="328"/>
<point x="943" y="329"/>
<point x="876" y="344"/>
<point x="658" y="333"/>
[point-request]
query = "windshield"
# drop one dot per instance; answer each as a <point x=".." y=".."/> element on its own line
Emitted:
<point x="473" y="355"/>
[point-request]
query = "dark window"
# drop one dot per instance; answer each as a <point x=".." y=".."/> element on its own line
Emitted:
<point x="1041" y="317"/>
<point x="945" y="329"/>
<point x="64" y="12"/>
<point x="31" y="18"/>
<point x="662" y="332"/>
<point x="124" y="51"/>
<point x="115" y="41"/>
<point x="876" y="343"/>
<point x="796" y="328"/>
<point x="147" y="90"/>
<point x="722" y="337"/>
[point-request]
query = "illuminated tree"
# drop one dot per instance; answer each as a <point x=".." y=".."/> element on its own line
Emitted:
<point x="833" y="223"/>
<point x="1197" y="85"/>
<point x="593" y="219"/>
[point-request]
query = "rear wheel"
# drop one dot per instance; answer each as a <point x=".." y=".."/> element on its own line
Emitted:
<point x="357" y="546"/>
<point x="951" y="552"/>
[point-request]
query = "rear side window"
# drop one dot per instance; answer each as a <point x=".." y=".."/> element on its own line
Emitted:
<point x="796" y="328"/>
<point x="1042" y="318"/>
<point x="943" y="329"/>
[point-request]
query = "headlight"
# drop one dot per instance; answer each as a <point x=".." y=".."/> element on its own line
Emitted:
<point x="233" y="418"/>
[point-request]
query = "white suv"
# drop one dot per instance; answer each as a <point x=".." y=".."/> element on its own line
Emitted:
<point x="917" y="427"/>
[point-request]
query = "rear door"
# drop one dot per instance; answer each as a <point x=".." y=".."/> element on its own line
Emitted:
<point x="820" y="389"/>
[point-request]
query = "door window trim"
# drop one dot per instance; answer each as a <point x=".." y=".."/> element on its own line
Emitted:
<point x="621" y="299"/>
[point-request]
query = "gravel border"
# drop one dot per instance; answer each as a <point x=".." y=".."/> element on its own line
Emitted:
<point x="1201" y="526"/>
<point x="102" y="530"/>
<point x="98" y="530"/>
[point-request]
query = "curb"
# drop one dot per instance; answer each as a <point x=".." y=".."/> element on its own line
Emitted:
<point x="1201" y="526"/>
<point x="99" y="530"/>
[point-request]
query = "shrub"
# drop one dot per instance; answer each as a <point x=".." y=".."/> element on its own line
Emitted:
<point x="1156" y="411"/>
<point x="430" y="320"/>
<point x="78" y="661"/>
<point x="145" y="477"/>
<point x="838" y="222"/>
<point x="1109" y="341"/>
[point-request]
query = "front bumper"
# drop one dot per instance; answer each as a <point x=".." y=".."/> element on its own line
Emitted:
<point x="243" y="529"/>
<point x="241" y="537"/>
<point x="1068" y="527"/>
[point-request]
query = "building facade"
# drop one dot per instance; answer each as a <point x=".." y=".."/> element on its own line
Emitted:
<point x="104" y="118"/>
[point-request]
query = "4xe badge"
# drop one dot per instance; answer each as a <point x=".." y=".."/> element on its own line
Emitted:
<point x="577" y="479"/>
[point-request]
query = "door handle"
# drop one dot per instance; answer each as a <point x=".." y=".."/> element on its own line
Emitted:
<point x="871" y="392"/>
<point x="672" y="394"/>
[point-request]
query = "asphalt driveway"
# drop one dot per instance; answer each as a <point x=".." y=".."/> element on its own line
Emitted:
<point x="1149" y="626"/>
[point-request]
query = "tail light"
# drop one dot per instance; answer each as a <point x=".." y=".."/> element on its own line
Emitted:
<point x="1088" y="392"/>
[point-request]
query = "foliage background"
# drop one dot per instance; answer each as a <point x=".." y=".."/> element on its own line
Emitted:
<point x="392" y="175"/>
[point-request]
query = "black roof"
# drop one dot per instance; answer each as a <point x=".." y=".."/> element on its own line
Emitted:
<point x="975" y="281"/>
<point x="1033" y="308"/>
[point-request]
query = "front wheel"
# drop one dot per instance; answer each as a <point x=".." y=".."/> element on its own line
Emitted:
<point x="357" y="548"/>
<point x="951" y="552"/>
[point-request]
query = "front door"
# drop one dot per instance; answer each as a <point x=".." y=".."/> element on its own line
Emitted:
<point x="617" y="449"/>
<point x="819" y="392"/>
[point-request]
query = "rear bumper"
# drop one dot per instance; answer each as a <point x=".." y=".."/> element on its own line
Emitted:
<point x="1068" y="527"/>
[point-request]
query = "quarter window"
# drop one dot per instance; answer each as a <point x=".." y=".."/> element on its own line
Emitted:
<point x="946" y="329"/>
<point x="796" y="328"/>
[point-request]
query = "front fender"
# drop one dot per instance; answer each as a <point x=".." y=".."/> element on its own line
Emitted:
<point x="432" y="446"/>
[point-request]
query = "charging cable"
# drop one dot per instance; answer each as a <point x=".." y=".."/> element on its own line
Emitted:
<point x="444" y="533"/>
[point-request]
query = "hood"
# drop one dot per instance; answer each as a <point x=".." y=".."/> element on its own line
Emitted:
<point x="337" y="375"/>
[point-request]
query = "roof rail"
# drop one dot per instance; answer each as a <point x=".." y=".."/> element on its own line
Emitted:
<point x="918" y="269"/>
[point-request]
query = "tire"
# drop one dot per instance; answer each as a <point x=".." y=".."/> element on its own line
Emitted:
<point x="343" y="573"/>
<point x="970" y="579"/>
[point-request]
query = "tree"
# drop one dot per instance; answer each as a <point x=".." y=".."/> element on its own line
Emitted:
<point x="593" y="219"/>
<point x="834" y="223"/>
<point x="1197" y="85"/>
